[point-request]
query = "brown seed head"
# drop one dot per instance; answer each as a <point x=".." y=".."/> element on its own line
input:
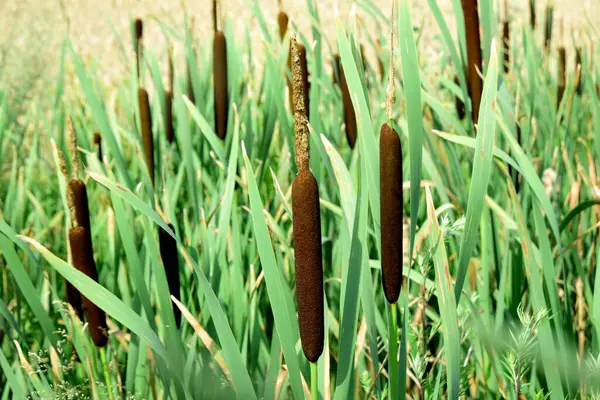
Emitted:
<point x="146" y="121"/>
<point x="168" y="253"/>
<point x="83" y="260"/>
<point x="391" y="202"/>
<point x="349" y="113"/>
<point x="98" y="143"/>
<point x="169" y="116"/>
<point x="309" y="267"/>
<point x="562" y="74"/>
<point x="283" y="21"/>
<point x="220" y="88"/>
<point x="474" y="58"/>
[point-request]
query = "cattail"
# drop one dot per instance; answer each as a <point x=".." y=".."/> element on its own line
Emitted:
<point x="190" y="85"/>
<point x="506" y="44"/>
<point x="306" y="226"/>
<point x="283" y="21"/>
<point x="146" y="120"/>
<point x="98" y="143"/>
<point x="579" y="64"/>
<point x="169" y="116"/>
<point x="139" y="32"/>
<point x="168" y="253"/>
<point x="460" y="105"/>
<point x="512" y="172"/>
<point x="562" y="74"/>
<point x="74" y="299"/>
<point x="532" y="16"/>
<point x="349" y="114"/>
<point x="391" y="200"/>
<point x="305" y="84"/>
<point x="548" y="26"/>
<point x="337" y="62"/>
<point x="80" y="205"/>
<point x="220" y="89"/>
<point x="83" y="260"/>
<point x="470" y="11"/>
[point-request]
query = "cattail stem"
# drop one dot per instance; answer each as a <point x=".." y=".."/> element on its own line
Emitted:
<point x="474" y="58"/>
<point x="221" y="82"/>
<point x="314" y="381"/>
<point x="215" y="13"/>
<point x="107" y="379"/>
<point x="146" y="121"/>
<point x="170" y="259"/>
<point x="393" y="352"/>
<point x="307" y="228"/>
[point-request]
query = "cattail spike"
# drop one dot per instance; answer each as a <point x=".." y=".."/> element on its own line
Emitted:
<point x="169" y="116"/>
<point x="83" y="260"/>
<point x="532" y="15"/>
<point x="309" y="266"/>
<point x="170" y="259"/>
<point x="98" y="143"/>
<point x="139" y="33"/>
<point x="282" y="21"/>
<point x="548" y="26"/>
<point x="146" y="121"/>
<point x="302" y="142"/>
<point x="221" y="84"/>
<point x="471" y="14"/>
<point x="506" y="45"/>
<point x="391" y="200"/>
<point x="349" y="113"/>
<point x="562" y="74"/>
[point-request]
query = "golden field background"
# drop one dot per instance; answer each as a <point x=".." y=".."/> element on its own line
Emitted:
<point x="32" y="30"/>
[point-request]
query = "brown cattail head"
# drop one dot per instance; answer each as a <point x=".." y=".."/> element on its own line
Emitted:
<point x="74" y="299"/>
<point x="506" y="44"/>
<point x="283" y="21"/>
<point x="80" y="204"/>
<point x="337" y="64"/>
<point x="391" y="200"/>
<point x="548" y="26"/>
<point x="220" y="89"/>
<point x="579" y="64"/>
<point x="146" y="120"/>
<point x="349" y="114"/>
<point x="190" y="84"/>
<point x="171" y="70"/>
<point x="474" y="58"/>
<point x="168" y="253"/>
<point x="299" y="105"/>
<point x="83" y="260"/>
<point x="460" y="105"/>
<point x="98" y="143"/>
<point x="532" y="16"/>
<point x="169" y="116"/>
<point x="139" y="32"/>
<point x="309" y="267"/>
<point x="562" y="74"/>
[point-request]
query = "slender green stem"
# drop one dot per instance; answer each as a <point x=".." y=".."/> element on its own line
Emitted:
<point x="393" y="354"/>
<point x="109" y="388"/>
<point x="314" y="381"/>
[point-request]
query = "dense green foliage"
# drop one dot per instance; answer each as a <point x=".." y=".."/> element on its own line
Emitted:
<point x="498" y="299"/>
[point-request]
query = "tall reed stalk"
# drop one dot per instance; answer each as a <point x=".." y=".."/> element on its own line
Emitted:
<point x="170" y="259"/>
<point x="221" y="83"/>
<point x="349" y="114"/>
<point x="306" y="227"/>
<point x="138" y="46"/>
<point x="562" y="74"/>
<point x="548" y="26"/>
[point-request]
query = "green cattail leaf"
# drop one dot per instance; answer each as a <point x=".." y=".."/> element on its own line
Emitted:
<point x="239" y="373"/>
<point x="207" y="131"/>
<point x="18" y="392"/>
<point x="447" y="302"/>
<point x="414" y="114"/>
<point x="482" y="167"/>
<point x="548" y="354"/>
